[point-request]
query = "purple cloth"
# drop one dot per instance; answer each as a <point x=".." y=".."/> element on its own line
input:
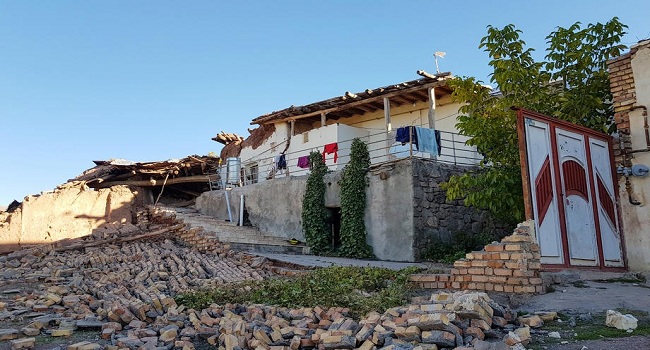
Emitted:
<point x="303" y="162"/>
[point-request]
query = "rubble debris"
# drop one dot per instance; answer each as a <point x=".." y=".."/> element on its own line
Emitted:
<point x="617" y="320"/>
<point x="23" y="343"/>
<point x="191" y="169"/>
<point x="124" y="290"/>
<point x="227" y="138"/>
<point x="13" y="206"/>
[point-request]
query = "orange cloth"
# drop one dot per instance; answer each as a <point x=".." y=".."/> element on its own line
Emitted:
<point x="331" y="148"/>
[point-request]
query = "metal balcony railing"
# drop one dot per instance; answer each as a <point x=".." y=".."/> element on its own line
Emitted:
<point x="381" y="146"/>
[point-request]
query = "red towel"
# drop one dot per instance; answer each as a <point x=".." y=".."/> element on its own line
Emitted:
<point x="331" y="148"/>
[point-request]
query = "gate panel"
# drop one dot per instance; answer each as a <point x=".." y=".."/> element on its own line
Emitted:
<point x="570" y="192"/>
<point x="606" y="203"/>
<point x="545" y="198"/>
<point x="579" y="217"/>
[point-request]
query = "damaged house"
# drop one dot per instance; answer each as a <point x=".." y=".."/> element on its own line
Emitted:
<point x="406" y="210"/>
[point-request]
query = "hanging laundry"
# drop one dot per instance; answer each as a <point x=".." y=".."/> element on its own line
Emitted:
<point x="439" y="141"/>
<point x="427" y="140"/>
<point x="303" y="162"/>
<point x="282" y="162"/>
<point x="331" y="148"/>
<point x="402" y="135"/>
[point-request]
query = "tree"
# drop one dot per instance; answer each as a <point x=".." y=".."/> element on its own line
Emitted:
<point x="314" y="213"/>
<point x="353" y="203"/>
<point x="571" y="83"/>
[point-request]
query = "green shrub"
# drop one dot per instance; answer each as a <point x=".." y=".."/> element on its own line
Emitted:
<point x="353" y="203"/>
<point x="314" y="212"/>
<point x="361" y="289"/>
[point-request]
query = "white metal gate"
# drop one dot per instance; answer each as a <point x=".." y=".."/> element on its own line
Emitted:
<point x="569" y="192"/>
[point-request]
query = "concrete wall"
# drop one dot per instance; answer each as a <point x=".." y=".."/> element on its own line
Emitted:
<point x="389" y="212"/>
<point x="65" y="213"/>
<point x="274" y="206"/>
<point x="636" y="218"/>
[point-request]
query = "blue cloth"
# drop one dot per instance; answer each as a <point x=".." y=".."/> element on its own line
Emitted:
<point x="427" y="140"/>
<point x="402" y="135"/>
<point x="282" y="162"/>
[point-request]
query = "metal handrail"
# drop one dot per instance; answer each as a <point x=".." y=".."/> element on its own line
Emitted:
<point x="454" y="150"/>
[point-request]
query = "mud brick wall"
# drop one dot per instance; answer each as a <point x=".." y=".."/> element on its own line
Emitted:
<point x="510" y="266"/>
<point x="191" y="236"/>
<point x="436" y="218"/>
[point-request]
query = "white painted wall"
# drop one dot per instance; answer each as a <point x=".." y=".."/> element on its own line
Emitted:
<point x="636" y="218"/>
<point x="263" y="155"/>
<point x="371" y="128"/>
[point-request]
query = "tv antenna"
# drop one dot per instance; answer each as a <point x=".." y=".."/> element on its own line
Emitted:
<point x="437" y="54"/>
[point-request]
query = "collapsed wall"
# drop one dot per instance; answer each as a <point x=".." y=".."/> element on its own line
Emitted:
<point x="70" y="211"/>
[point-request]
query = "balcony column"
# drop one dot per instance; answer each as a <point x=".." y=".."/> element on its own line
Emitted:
<point x="389" y="127"/>
<point x="432" y="111"/>
<point x="432" y="108"/>
<point x="323" y="119"/>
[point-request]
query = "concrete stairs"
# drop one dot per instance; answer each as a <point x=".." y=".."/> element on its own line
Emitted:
<point x="242" y="238"/>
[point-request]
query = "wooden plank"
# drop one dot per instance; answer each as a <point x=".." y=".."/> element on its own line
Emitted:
<point x="159" y="182"/>
<point x="387" y="114"/>
<point x="523" y="160"/>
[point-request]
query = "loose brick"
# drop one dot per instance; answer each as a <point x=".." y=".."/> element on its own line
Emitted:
<point x="476" y="271"/>
<point x="496" y="264"/>
<point x="479" y="263"/>
<point x="503" y="272"/>
<point x="494" y="248"/>
<point x="479" y="278"/>
<point x="513" y="247"/>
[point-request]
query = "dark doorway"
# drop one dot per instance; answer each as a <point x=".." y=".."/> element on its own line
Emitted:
<point x="334" y="223"/>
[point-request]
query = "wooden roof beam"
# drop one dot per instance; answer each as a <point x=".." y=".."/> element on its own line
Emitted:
<point x="367" y="108"/>
<point x="357" y="110"/>
<point x="378" y="98"/>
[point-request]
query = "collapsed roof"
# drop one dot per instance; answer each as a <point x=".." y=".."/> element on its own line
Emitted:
<point x="191" y="169"/>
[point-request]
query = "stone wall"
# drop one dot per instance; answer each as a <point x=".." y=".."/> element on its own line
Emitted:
<point x="437" y="219"/>
<point x="70" y="211"/>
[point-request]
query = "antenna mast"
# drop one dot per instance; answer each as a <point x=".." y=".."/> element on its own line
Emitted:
<point x="437" y="54"/>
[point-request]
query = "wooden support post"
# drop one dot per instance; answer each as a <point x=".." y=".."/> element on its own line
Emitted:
<point x="387" y="114"/>
<point x="293" y="127"/>
<point x="389" y="127"/>
<point x="322" y="119"/>
<point x="432" y="108"/>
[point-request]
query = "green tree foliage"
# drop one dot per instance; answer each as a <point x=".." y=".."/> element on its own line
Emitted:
<point x="314" y="213"/>
<point x="571" y="83"/>
<point x="353" y="203"/>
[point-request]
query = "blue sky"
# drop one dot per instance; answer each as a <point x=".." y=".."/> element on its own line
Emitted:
<point x="152" y="80"/>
